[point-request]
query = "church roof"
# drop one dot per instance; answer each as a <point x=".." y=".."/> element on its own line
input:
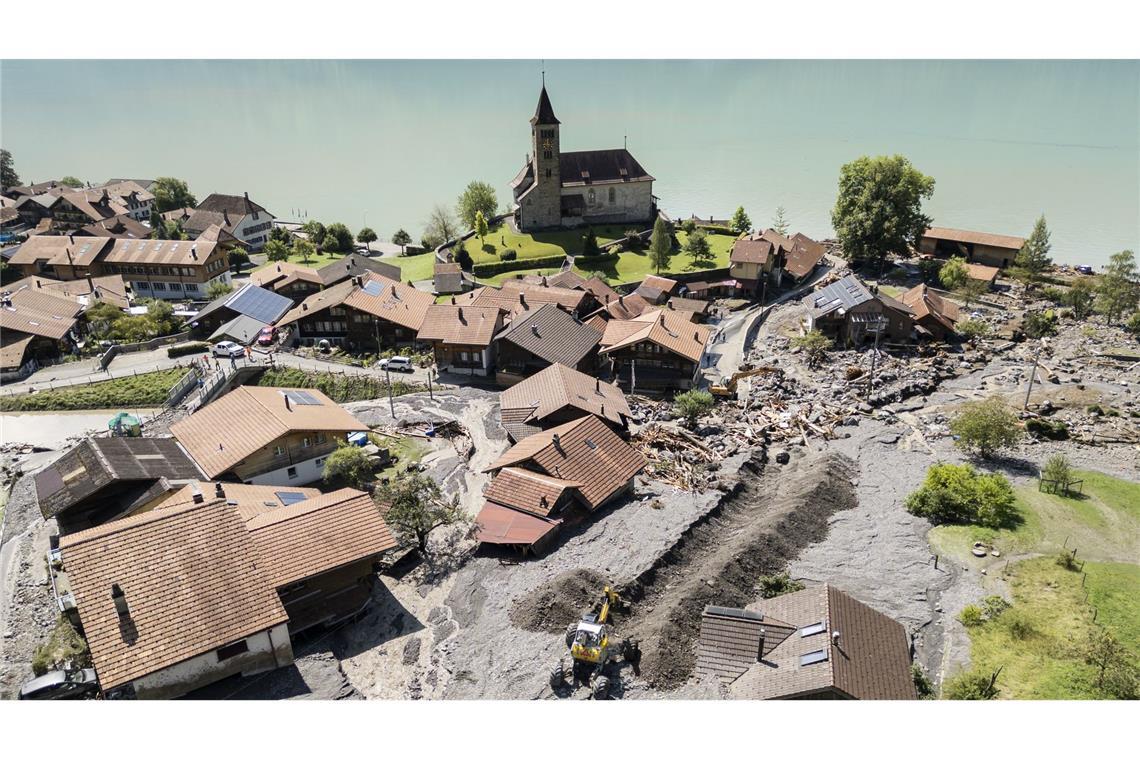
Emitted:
<point x="544" y="113"/>
<point x="589" y="167"/>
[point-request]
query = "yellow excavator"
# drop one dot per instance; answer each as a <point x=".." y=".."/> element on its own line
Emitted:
<point x="728" y="388"/>
<point x="592" y="648"/>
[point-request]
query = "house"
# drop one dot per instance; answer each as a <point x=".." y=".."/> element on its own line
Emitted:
<point x="656" y="351"/>
<point x="261" y="435"/>
<point x="247" y="221"/>
<point x="697" y="309"/>
<point x="541" y="337"/>
<point x="35" y="327"/>
<point x="200" y="589"/>
<point x="519" y="297"/>
<point x="134" y="195"/>
<point x="249" y="303"/>
<point x="121" y="226"/>
<point x="560" y="190"/>
<point x="818" y="643"/>
<point x="978" y="247"/>
<point x="708" y="291"/>
<point x="560" y="394"/>
<point x="69" y="208"/>
<point x="568" y="278"/>
<point x="461" y="337"/>
<point x="657" y="290"/>
<point x="66" y="257"/>
<point x="805" y="255"/>
<point x="933" y="315"/>
<point x="297" y="281"/>
<point x="367" y="313"/>
<point x="108" y="288"/>
<point x="167" y="269"/>
<point x="849" y="313"/>
<point x="580" y="465"/>
<point x="102" y="479"/>
<point x="751" y="263"/>
<point x="983" y="273"/>
<point x="448" y="279"/>
<point x="620" y="308"/>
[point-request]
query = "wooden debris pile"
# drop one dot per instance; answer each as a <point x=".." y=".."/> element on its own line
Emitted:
<point x="676" y="457"/>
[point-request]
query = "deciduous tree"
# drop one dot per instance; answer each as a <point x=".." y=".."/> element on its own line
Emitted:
<point x="476" y="197"/>
<point x="481" y="228"/>
<point x="348" y="465"/>
<point x="1119" y="287"/>
<point x="440" y="225"/>
<point x="367" y="236"/>
<point x="957" y="493"/>
<point x="984" y="427"/>
<point x="815" y="346"/>
<point x="879" y="208"/>
<point x="1079" y="297"/>
<point x="416" y="508"/>
<point x="275" y="250"/>
<point x="71" y="181"/>
<point x="304" y="250"/>
<point x="171" y="193"/>
<point x="954" y="273"/>
<point x="338" y="239"/>
<point x="691" y="405"/>
<point x="697" y="246"/>
<point x="402" y="239"/>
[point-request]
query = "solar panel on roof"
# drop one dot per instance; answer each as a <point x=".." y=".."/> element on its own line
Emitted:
<point x="820" y="655"/>
<point x="289" y="497"/>
<point x="259" y="303"/>
<point x="373" y="288"/>
<point x="301" y="397"/>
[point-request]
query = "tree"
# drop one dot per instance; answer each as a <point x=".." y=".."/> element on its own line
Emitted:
<point x="972" y="290"/>
<point x="165" y="229"/>
<point x="815" y="346"/>
<point x="1117" y="675"/>
<point x="402" y="239"/>
<point x="983" y="427"/>
<point x="440" y="226"/>
<point x="692" y="404"/>
<point x="1133" y="324"/>
<point x="462" y="257"/>
<point x="8" y="176"/>
<point x="481" y="228"/>
<point x="304" y="250"/>
<point x="281" y="235"/>
<point x="1038" y="324"/>
<point x="1079" y="297"/>
<point x="1033" y="259"/>
<point x="275" y="250"/>
<point x="780" y="221"/>
<point x="660" y="245"/>
<point x="879" y="208"/>
<point x="477" y="197"/>
<point x="957" y="493"/>
<point x="1119" y="288"/>
<point x="348" y="465"/>
<point x="590" y="244"/>
<point x="71" y="181"/>
<point x="954" y="273"/>
<point x="1058" y="470"/>
<point x="338" y="239"/>
<point x="972" y="329"/>
<point x="239" y="258"/>
<point x="315" y="232"/>
<point x="633" y="240"/>
<point x="171" y="193"/>
<point x="218" y="289"/>
<point x="416" y="508"/>
<point x="367" y="236"/>
<point x="740" y="222"/>
<point x="930" y="268"/>
<point x="697" y="246"/>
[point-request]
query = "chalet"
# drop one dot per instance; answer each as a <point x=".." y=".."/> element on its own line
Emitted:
<point x="657" y="351"/>
<point x="225" y="591"/>
<point x="167" y="269"/>
<point x="657" y="290"/>
<point x="559" y="394"/>
<point x="102" y="479"/>
<point x="35" y="327"/>
<point x="983" y="273"/>
<point x="122" y="226"/>
<point x="250" y="304"/>
<point x="818" y="643"/>
<point x="535" y="340"/>
<point x="752" y="263"/>
<point x="581" y="465"/>
<point x="247" y="221"/>
<point x="697" y="309"/>
<point x="620" y="307"/>
<point x="519" y="297"/>
<point x="367" y="313"/>
<point x="261" y="435"/>
<point x="934" y="315"/>
<point x="461" y="337"/>
<point x="802" y="259"/>
<point x="65" y="257"/>
<point x="448" y="279"/>
<point x="849" y="313"/>
<point x="977" y="247"/>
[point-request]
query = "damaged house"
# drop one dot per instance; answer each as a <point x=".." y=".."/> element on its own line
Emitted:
<point x="934" y="316"/>
<point x="657" y="351"/>
<point x="557" y="395"/>
<point x="849" y="313"/>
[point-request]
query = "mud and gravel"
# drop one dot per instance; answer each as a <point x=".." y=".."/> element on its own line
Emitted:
<point x="553" y="606"/>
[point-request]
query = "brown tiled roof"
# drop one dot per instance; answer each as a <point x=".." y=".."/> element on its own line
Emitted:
<point x="664" y="284"/>
<point x="557" y="387"/>
<point x="519" y="423"/>
<point x="249" y="500"/>
<point x="750" y="250"/>
<point x="733" y="640"/>
<point x="352" y="265"/>
<point x="460" y="325"/>
<point x="497" y="524"/>
<point x="13" y="346"/>
<point x="277" y="270"/>
<point x="226" y="431"/>
<point x="233" y="204"/>
<point x="870" y="660"/>
<point x="35" y="312"/>
<point x="396" y="303"/>
<point x="587" y="451"/>
<point x="528" y="491"/>
<point x="804" y="256"/>
<point x="516" y="295"/>
<point x="173" y="252"/>
<point x="109" y="288"/>
<point x="190" y="580"/>
<point x="975" y="238"/>
<point x="117" y="226"/>
<point x="553" y="335"/>
<point x="318" y="534"/>
<point x="982" y="272"/>
<point x="592" y="167"/>
<point x="925" y="303"/>
<point x="54" y="250"/>
<point x="691" y="305"/>
<point x="624" y="307"/>
<point x="671" y="330"/>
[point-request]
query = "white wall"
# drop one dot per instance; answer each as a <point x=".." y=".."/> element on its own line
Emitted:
<point x="633" y="199"/>
<point x="142" y="289"/>
<point x="307" y="472"/>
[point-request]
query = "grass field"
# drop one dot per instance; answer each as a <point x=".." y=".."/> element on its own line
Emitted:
<point x="537" y="245"/>
<point x="633" y="267"/>
<point x="340" y="388"/>
<point x="405" y="450"/>
<point x="415" y="268"/>
<point x="149" y="389"/>
<point x="1103" y="524"/>
<point x="1038" y="641"/>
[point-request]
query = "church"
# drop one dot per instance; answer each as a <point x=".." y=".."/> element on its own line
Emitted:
<point x="561" y="190"/>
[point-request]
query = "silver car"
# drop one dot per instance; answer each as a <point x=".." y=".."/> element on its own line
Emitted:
<point x="62" y="684"/>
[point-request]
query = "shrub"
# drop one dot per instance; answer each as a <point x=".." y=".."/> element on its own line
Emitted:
<point x="1053" y="429"/>
<point x="993" y="606"/>
<point x="184" y="349"/>
<point x="971" y="685"/>
<point x="983" y="427"/>
<point x="956" y="493"/>
<point x="1133" y="324"/>
<point x="1057" y="469"/>
<point x="633" y="241"/>
<point x="692" y="404"/>
<point x="815" y="345"/>
<point x="509" y="254"/>
<point x="922" y="683"/>
<point x="1038" y="324"/>
<point x="348" y="465"/>
<point x="63" y="646"/>
<point x="972" y="329"/>
<point x="491" y="268"/>
<point x="778" y="584"/>
<point x="971" y="616"/>
<point x="590" y="244"/>
<point x="1066" y="560"/>
<point x="1020" y="627"/>
<point x="1056" y="295"/>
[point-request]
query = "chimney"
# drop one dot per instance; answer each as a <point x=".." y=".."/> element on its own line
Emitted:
<point x="194" y="252"/>
<point x="304" y="307"/>
<point x="120" y="600"/>
<point x="671" y="307"/>
<point x="621" y="300"/>
<point x="197" y="496"/>
<point x="453" y="300"/>
<point x="534" y="329"/>
<point x="39" y="283"/>
<point x="542" y="501"/>
<point x="70" y="238"/>
<point x="557" y="441"/>
<point x="662" y="318"/>
<point x="286" y="397"/>
<point x="522" y="298"/>
<point x="219" y="491"/>
<point x="607" y="299"/>
<point x="544" y="281"/>
<point x="603" y="408"/>
<point x="597" y="385"/>
<point x="461" y="319"/>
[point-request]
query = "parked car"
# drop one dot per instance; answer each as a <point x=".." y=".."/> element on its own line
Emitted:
<point x="62" y="684"/>
<point x="1085" y="269"/>
<point x="267" y="336"/>
<point x="396" y="364"/>
<point x="228" y="348"/>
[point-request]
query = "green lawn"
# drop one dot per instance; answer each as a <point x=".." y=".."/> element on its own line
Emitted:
<point x="634" y="267"/>
<point x="405" y="450"/>
<point x="1046" y="661"/>
<point x="147" y="389"/>
<point x="340" y="388"/>
<point x="1104" y="524"/>
<point x="528" y="246"/>
<point x="415" y="268"/>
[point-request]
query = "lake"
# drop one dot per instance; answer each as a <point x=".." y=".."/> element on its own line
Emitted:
<point x="380" y="142"/>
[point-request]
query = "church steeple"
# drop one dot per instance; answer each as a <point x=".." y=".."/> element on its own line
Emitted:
<point x="544" y="113"/>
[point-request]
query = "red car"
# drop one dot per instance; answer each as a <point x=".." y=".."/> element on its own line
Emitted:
<point x="267" y="336"/>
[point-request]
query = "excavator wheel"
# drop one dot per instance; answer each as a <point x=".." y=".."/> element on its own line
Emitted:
<point x="558" y="674"/>
<point x="571" y="630"/>
<point x="600" y="688"/>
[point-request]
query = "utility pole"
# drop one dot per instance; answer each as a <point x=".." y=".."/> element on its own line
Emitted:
<point x="391" y="402"/>
<point x="880" y="325"/>
<point x="1032" y="374"/>
<point x="430" y="372"/>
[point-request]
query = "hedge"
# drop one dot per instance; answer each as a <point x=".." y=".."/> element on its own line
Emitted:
<point x="195" y="347"/>
<point x="491" y="268"/>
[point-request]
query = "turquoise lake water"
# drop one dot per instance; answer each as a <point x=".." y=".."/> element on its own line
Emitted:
<point x="379" y="142"/>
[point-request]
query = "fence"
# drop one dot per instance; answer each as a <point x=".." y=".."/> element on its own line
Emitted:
<point x="183" y="386"/>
